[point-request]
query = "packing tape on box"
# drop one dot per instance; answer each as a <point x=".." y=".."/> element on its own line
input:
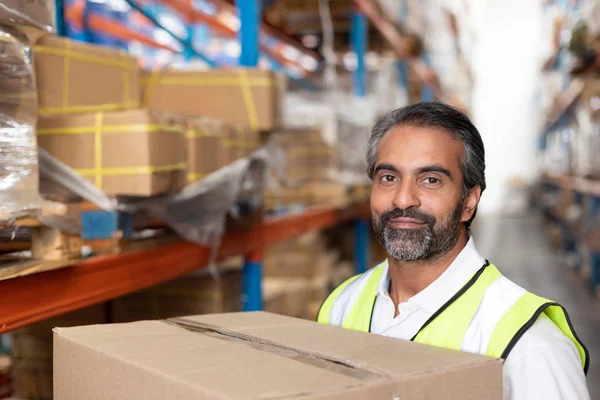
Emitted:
<point x="97" y="130"/>
<point x="243" y="81"/>
<point x="68" y="54"/>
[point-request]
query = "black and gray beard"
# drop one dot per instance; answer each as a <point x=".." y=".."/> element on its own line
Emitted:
<point x="431" y="240"/>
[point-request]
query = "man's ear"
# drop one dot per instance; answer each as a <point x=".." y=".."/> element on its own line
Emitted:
<point x="470" y="203"/>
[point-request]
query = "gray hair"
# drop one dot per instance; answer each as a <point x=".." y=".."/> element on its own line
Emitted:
<point x="444" y="117"/>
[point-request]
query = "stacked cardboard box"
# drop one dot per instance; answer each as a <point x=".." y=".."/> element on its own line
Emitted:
<point x="241" y="97"/>
<point x="298" y="275"/>
<point x="74" y="77"/>
<point x="308" y="171"/>
<point x="258" y="356"/>
<point x="206" y="149"/>
<point x="91" y="120"/>
<point x="200" y="293"/>
<point x="135" y="152"/>
<point x="31" y="354"/>
<point x="5" y="380"/>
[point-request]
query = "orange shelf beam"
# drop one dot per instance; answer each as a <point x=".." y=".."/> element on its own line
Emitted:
<point x="33" y="298"/>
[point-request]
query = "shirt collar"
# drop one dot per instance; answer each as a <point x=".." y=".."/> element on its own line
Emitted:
<point x="434" y="296"/>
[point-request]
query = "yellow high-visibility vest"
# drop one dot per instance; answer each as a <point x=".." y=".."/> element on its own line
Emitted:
<point x="447" y="326"/>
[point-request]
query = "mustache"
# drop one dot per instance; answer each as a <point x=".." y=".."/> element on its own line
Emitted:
<point x="411" y="213"/>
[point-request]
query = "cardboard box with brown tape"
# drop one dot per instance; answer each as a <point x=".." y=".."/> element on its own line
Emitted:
<point x="260" y="356"/>
<point x="74" y="77"/>
<point x="241" y="97"/>
<point x="135" y="153"/>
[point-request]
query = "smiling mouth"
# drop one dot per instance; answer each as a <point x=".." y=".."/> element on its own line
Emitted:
<point x="406" y="223"/>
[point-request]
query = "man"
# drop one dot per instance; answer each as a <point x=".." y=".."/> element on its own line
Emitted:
<point x="428" y="170"/>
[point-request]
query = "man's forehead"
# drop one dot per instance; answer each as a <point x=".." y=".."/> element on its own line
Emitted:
<point x="413" y="146"/>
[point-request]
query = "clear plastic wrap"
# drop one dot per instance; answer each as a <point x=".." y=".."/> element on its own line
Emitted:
<point x="60" y="182"/>
<point x="199" y="211"/>
<point x="344" y="122"/>
<point x="18" y="147"/>
<point x="35" y="13"/>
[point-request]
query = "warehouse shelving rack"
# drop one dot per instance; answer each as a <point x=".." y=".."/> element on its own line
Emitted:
<point x="583" y="189"/>
<point x="36" y="297"/>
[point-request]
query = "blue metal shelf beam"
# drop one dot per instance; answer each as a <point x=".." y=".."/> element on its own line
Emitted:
<point x="249" y="33"/>
<point x="186" y="42"/>
<point x="359" y="36"/>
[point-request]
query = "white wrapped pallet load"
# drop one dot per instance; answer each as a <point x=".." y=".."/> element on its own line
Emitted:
<point x="19" y="175"/>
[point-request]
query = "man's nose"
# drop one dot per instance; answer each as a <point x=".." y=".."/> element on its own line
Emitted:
<point x="407" y="195"/>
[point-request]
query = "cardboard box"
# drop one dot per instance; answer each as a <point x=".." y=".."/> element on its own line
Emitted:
<point x="241" y="97"/>
<point x="206" y="147"/>
<point x="294" y="257"/>
<point x="136" y="152"/>
<point x="31" y="353"/>
<point x="286" y="296"/>
<point x="240" y="142"/>
<point x="196" y="294"/>
<point x="74" y="77"/>
<point x="39" y="14"/>
<point x="260" y="356"/>
<point x="330" y="194"/>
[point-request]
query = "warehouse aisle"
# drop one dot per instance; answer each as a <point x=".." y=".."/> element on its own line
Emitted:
<point x="520" y="250"/>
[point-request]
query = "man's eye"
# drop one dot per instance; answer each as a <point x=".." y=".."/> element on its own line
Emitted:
<point x="431" y="180"/>
<point x="388" y="178"/>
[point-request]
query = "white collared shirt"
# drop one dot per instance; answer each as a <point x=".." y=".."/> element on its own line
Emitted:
<point x="544" y="364"/>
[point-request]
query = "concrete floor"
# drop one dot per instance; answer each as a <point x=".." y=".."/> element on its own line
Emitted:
<point x="518" y="247"/>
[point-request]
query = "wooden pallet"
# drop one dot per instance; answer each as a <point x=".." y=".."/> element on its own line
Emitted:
<point x="41" y="248"/>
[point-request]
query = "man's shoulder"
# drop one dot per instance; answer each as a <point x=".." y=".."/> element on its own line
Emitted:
<point x="543" y="336"/>
<point x="349" y="295"/>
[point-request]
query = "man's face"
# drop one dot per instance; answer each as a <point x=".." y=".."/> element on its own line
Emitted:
<point x="417" y="202"/>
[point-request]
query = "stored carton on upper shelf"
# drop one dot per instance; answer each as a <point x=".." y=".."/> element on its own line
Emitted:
<point x="213" y="143"/>
<point x="241" y="97"/>
<point x="75" y="78"/>
<point x="135" y="153"/>
<point x="35" y="13"/>
<point x="260" y="356"/>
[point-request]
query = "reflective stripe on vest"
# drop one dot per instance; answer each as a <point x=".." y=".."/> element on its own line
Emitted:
<point x="487" y="316"/>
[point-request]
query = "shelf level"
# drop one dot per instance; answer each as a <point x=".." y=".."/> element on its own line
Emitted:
<point x="33" y="298"/>
<point x="584" y="186"/>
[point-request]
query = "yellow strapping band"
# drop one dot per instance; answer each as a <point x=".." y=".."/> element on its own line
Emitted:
<point x="150" y="84"/>
<point x="98" y="150"/>
<point x="123" y="128"/>
<point x="20" y="96"/>
<point x="133" y="170"/>
<point x="126" y="88"/>
<point x="129" y="65"/>
<point x="240" y="144"/>
<point x="7" y="39"/>
<point x="248" y="99"/>
<point x="196" y="176"/>
<point x="202" y="81"/>
<point x="84" y="109"/>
